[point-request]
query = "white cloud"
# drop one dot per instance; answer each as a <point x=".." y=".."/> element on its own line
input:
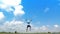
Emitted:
<point x="56" y="26"/>
<point x="3" y="6"/>
<point x="46" y="10"/>
<point x="1" y="15"/>
<point x="7" y="4"/>
<point x="18" y="10"/>
<point x="18" y="26"/>
<point x="43" y="28"/>
<point x="11" y="2"/>
<point x="13" y="26"/>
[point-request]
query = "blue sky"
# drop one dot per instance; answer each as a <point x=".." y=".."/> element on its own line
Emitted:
<point x="45" y="14"/>
<point x="45" y="11"/>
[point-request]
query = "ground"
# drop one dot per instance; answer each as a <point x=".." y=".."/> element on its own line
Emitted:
<point x="29" y="33"/>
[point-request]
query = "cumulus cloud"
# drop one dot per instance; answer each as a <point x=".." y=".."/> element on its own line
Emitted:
<point x="13" y="26"/>
<point x="1" y="15"/>
<point x="16" y="4"/>
<point x="18" y="10"/>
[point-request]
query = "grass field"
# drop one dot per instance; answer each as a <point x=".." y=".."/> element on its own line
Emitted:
<point x="29" y="33"/>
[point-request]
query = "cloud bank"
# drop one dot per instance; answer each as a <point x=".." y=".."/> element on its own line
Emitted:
<point x="20" y="26"/>
<point x="16" y="4"/>
<point x="15" y="7"/>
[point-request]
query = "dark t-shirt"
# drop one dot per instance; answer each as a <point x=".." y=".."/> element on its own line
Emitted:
<point x="28" y="22"/>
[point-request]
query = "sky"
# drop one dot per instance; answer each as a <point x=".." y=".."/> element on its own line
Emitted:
<point x="42" y="10"/>
<point x="45" y="15"/>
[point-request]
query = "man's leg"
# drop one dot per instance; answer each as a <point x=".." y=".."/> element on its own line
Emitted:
<point x="30" y="28"/>
<point x="27" y="28"/>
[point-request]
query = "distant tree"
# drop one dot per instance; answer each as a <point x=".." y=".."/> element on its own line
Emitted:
<point x="9" y="32"/>
<point x="49" y="32"/>
<point x="15" y="31"/>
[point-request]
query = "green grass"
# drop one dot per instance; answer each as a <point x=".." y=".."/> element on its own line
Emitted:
<point x="29" y="33"/>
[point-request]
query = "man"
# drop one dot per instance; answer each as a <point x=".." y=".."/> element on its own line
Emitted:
<point x="28" y="26"/>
